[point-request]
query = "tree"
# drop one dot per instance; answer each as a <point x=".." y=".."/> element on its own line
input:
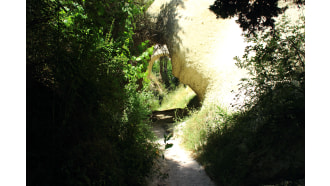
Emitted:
<point x="264" y="143"/>
<point x="253" y="15"/>
<point x="86" y="124"/>
<point x="163" y="71"/>
<point x="273" y="58"/>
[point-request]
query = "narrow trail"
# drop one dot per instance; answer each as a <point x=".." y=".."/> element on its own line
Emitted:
<point x="181" y="168"/>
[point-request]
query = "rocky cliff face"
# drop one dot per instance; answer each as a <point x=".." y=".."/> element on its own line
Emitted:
<point x="201" y="47"/>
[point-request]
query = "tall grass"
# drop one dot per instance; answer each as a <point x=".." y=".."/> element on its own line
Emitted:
<point x="179" y="98"/>
<point x="200" y="124"/>
<point x="243" y="148"/>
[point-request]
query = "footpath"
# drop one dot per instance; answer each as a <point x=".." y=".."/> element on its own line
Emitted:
<point x="178" y="167"/>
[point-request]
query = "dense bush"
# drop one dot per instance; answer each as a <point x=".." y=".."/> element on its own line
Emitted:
<point x="86" y="123"/>
<point x="265" y="142"/>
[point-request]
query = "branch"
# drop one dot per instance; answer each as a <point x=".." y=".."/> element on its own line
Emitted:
<point x="298" y="53"/>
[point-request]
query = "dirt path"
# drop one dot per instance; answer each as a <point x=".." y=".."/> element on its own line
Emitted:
<point x="181" y="168"/>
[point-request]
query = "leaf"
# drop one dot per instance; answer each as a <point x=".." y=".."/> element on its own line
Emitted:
<point x="139" y="58"/>
<point x="169" y="137"/>
<point x="150" y="50"/>
<point x="168" y="145"/>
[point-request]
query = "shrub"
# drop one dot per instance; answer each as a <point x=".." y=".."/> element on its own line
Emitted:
<point x="265" y="142"/>
<point x="86" y="123"/>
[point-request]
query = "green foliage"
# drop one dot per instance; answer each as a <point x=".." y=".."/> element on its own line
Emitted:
<point x="166" y="139"/>
<point x="168" y="94"/>
<point x="86" y="123"/>
<point x="264" y="143"/>
<point x="274" y="59"/>
<point x="177" y="98"/>
<point x="157" y="70"/>
<point x="138" y="69"/>
<point x="198" y="126"/>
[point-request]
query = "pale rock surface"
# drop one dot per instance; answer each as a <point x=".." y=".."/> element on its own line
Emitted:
<point x="201" y="47"/>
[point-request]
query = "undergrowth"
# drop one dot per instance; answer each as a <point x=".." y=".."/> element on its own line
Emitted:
<point x="199" y="125"/>
<point x="87" y="118"/>
<point x="171" y="99"/>
<point x="253" y="148"/>
<point x="178" y="98"/>
<point x="263" y="143"/>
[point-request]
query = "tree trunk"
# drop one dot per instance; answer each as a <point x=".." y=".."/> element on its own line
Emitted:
<point x="163" y="71"/>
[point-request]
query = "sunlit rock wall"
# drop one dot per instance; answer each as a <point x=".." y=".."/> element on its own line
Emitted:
<point x="201" y="47"/>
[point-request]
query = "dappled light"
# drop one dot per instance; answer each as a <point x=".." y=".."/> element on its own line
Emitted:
<point x="165" y="92"/>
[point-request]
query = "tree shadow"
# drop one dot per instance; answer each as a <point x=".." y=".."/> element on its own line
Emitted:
<point x="166" y="24"/>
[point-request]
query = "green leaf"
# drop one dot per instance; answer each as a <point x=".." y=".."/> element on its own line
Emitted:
<point x="145" y="54"/>
<point x="169" y="137"/>
<point x="168" y="145"/>
<point x="139" y="58"/>
<point x="150" y="50"/>
<point x="134" y="58"/>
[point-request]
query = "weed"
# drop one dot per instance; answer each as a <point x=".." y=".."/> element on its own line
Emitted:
<point x="179" y="98"/>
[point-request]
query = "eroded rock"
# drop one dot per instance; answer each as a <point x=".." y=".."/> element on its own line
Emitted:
<point x="201" y="47"/>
